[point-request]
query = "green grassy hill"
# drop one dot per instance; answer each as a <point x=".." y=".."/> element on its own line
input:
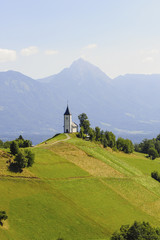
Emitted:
<point x="77" y="190"/>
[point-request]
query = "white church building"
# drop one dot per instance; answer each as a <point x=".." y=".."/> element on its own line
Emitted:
<point x="69" y="126"/>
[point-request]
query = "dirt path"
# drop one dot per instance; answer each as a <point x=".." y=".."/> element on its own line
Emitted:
<point x="68" y="137"/>
<point x="50" y="144"/>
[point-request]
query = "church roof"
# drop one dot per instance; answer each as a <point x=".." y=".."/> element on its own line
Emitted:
<point x="67" y="112"/>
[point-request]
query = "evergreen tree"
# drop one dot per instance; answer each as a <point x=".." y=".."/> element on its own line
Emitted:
<point x="14" y="149"/>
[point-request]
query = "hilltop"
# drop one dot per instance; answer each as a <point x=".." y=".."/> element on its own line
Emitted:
<point x="77" y="190"/>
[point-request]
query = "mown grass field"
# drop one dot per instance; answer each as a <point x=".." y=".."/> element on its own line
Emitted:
<point x="77" y="190"/>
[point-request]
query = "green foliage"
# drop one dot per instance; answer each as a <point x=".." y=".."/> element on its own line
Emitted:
<point x="152" y="152"/>
<point x="30" y="157"/>
<point x="7" y="144"/>
<point x="91" y="133"/>
<point x="82" y="117"/>
<point x="155" y="175"/>
<point x="3" y="217"/>
<point x="22" y="143"/>
<point x="106" y="138"/>
<point x="21" y="160"/>
<point x="146" y="144"/>
<point x="137" y="231"/>
<point x="150" y="147"/>
<point x="81" y="133"/>
<point x="14" y="148"/>
<point x="98" y="133"/>
<point x="111" y="139"/>
<point x="84" y="122"/>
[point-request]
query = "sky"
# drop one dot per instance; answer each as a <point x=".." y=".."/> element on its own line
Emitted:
<point x="39" y="38"/>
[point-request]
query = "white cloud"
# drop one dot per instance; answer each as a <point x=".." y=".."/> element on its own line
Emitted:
<point x="29" y="51"/>
<point x="130" y="115"/>
<point x="7" y="55"/>
<point x="131" y="131"/>
<point x="145" y="122"/>
<point x="106" y="124"/>
<point x="91" y="46"/>
<point x="51" y="52"/>
<point x="150" y="121"/>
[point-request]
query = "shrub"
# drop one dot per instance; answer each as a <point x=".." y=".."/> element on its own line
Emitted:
<point x="3" y="217"/>
<point x="155" y="175"/>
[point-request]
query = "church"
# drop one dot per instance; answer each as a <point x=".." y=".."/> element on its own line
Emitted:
<point x="69" y="126"/>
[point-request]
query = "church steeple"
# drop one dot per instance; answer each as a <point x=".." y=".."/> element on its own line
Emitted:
<point x="67" y="112"/>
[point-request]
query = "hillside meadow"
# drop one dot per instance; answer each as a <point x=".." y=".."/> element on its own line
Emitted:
<point x="76" y="189"/>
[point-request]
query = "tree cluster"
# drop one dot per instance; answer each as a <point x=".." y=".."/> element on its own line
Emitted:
<point x="22" y="143"/>
<point x="107" y="139"/>
<point x="137" y="231"/>
<point x="150" y="147"/>
<point x="23" y="158"/>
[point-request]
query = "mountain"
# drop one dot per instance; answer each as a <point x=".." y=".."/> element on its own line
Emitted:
<point x="127" y="105"/>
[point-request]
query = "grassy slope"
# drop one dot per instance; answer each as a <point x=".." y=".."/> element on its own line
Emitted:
<point x="77" y="190"/>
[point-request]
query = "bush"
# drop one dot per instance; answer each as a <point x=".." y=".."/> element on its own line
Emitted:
<point x="3" y="217"/>
<point x="155" y="175"/>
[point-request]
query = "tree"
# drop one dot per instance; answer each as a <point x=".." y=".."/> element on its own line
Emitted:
<point x="105" y="142"/>
<point x="27" y="143"/>
<point x="30" y="157"/>
<point x="20" y="137"/>
<point x="14" y="149"/>
<point x="97" y="133"/>
<point x="152" y="153"/>
<point x="91" y="133"/>
<point x="146" y="144"/>
<point x="81" y="133"/>
<point x="86" y="126"/>
<point x="128" y="146"/>
<point x="84" y="122"/>
<point x="138" y="231"/>
<point x="21" y="160"/>
<point x="120" y="143"/>
<point x="82" y="117"/>
<point x="3" y="217"/>
<point x="111" y="139"/>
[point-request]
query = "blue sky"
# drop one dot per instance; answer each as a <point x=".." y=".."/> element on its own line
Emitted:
<point x="41" y="37"/>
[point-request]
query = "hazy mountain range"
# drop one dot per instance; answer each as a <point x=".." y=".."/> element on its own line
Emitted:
<point x="127" y="105"/>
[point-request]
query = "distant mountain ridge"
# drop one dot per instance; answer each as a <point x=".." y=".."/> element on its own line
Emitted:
<point x="127" y="105"/>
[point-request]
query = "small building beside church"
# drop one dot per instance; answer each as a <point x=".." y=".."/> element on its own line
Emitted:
<point x="69" y="126"/>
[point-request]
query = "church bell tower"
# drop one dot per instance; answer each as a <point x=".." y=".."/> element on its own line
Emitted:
<point x="67" y="121"/>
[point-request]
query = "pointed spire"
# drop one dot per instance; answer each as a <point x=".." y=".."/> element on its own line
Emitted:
<point x="67" y="112"/>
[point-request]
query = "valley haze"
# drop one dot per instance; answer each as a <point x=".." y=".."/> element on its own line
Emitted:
<point x="126" y="105"/>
